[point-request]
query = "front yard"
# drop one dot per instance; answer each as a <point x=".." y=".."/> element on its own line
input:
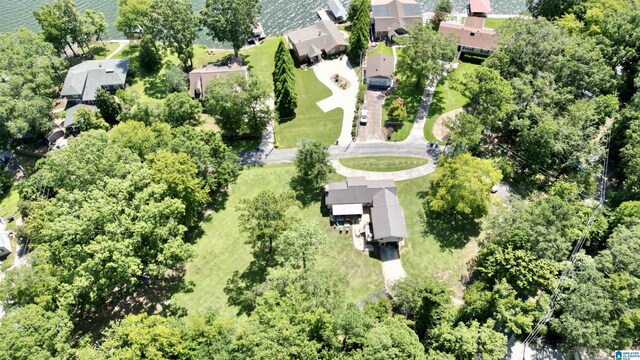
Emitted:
<point x="310" y="121"/>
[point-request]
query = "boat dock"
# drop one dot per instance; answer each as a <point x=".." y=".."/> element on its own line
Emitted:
<point x="322" y="14"/>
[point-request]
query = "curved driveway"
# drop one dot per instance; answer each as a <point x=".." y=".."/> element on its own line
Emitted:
<point x="345" y="99"/>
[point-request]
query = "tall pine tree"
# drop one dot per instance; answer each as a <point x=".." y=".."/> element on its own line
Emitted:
<point x="284" y="82"/>
<point x="360" y="22"/>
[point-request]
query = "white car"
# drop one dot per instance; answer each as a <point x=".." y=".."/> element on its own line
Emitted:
<point x="364" y="117"/>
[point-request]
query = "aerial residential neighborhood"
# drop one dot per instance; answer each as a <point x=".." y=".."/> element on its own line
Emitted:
<point x="341" y="179"/>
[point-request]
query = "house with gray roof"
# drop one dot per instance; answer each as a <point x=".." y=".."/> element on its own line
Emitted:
<point x="70" y="114"/>
<point x="5" y="242"/>
<point x="199" y="79"/>
<point x="84" y="79"/>
<point x="372" y="201"/>
<point x="393" y="17"/>
<point x="378" y="70"/>
<point x="312" y="42"/>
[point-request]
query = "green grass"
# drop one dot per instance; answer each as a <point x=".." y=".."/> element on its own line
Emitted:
<point x="382" y="48"/>
<point x="8" y="207"/>
<point x="102" y="51"/>
<point x="493" y="23"/>
<point x="422" y="254"/>
<point x="383" y="163"/>
<point x="221" y="250"/>
<point x="310" y="121"/>
<point x="412" y="96"/>
<point x="260" y="59"/>
<point x="447" y="97"/>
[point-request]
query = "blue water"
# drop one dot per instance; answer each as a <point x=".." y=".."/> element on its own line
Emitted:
<point x="277" y="15"/>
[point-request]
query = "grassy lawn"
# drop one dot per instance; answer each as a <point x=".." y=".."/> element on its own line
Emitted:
<point x="422" y="254"/>
<point x="412" y="96"/>
<point x="221" y="250"/>
<point x="310" y="122"/>
<point x="446" y="97"/>
<point x="383" y="163"/>
<point x="260" y="59"/>
<point x="493" y="23"/>
<point x="382" y="48"/>
<point x="102" y="51"/>
<point x="8" y="207"/>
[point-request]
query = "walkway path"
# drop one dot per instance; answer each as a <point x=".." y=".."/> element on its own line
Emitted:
<point x="417" y="131"/>
<point x="122" y="43"/>
<point x="440" y="131"/>
<point x="390" y="175"/>
<point x="345" y="99"/>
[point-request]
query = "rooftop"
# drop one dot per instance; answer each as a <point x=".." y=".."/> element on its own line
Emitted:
<point x="480" y="38"/>
<point x="4" y="237"/>
<point x="387" y="216"/>
<point x="70" y="118"/>
<point x="395" y="14"/>
<point x="480" y="6"/>
<point x="380" y="65"/>
<point x="85" y="78"/>
<point x="312" y="40"/>
<point x="199" y="79"/>
<point x="337" y="9"/>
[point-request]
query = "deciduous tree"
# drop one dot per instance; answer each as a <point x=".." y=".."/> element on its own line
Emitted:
<point x="239" y="106"/>
<point x="424" y="55"/>
<point x="461" y="186"/>
<point x="231" y="21"/>
<point x="108" y="106"/>
<point x="180" y="109"/>
<point x="312" y="164"/>
<point x="132" y="17"/>
<point x="87" y="119"/>
<point x="173" y="24"/>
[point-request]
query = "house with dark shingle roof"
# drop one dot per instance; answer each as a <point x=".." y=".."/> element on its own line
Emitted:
<point x="378" y="71"/>
<point x="312" y="42"/>
<point x="393" y="17"/>
<point x="374" y="202"/>
<point x="84" y="79"/>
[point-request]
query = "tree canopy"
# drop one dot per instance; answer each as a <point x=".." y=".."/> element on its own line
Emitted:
<point x="173" y="24"/>
<point x="230" y="21"/>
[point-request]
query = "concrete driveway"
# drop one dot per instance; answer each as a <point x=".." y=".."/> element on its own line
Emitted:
<point x="345" y="99"/>
<point x="372" y="132"/>
<point x="392" y="269"/>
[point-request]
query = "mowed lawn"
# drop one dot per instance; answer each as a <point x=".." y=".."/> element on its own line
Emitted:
<point x="310" y="121"/>
<point x="382" y="48"/>
<point x="222" y="250"/>
<point x="261" y="59"/>
<point x="102" y="51"/>
<point x="493" y="23"/>
<point x="447" y="96"/>
<point x="383" y="163"/>
<point x="422" y="254"/>
<point x="412" y="95"/>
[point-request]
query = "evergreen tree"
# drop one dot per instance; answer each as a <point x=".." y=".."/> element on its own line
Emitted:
<point x="284" y="82"/>
<point x="360" y="22"/>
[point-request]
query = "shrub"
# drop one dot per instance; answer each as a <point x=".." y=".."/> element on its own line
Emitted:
<point x="398" y="110"/>
<point x="175" y="80"/>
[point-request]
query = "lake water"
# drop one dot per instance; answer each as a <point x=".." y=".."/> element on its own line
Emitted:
<point x="277" y="15"/>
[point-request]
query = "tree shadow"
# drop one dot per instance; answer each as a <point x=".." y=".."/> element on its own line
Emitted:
<point x="450" y="231"/>
<point x="155" y="86"/>
<point x="150" y="296"/>
<point x="241" y="287"/>
<point x="306" y="192"/>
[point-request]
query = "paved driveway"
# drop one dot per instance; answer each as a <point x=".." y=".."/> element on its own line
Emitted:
<point x="372" y="132"/>
<point x="345" y="99"/>
<point x="392" y="269"/>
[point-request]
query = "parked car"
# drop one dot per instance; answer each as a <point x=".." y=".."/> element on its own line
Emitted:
<point x="364" y="117"/>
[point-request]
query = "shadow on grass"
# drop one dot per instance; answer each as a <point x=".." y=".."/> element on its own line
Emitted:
<point x="411" y="94"/>
<point x="450" y="231"/>
<point x="306" y="192"/>
<point x="242" y="287"/>
<point x="437" y="102"/>
<point x="149" y="296"/>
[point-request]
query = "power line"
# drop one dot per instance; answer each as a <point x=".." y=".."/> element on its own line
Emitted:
<point x="579" y="244"/>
